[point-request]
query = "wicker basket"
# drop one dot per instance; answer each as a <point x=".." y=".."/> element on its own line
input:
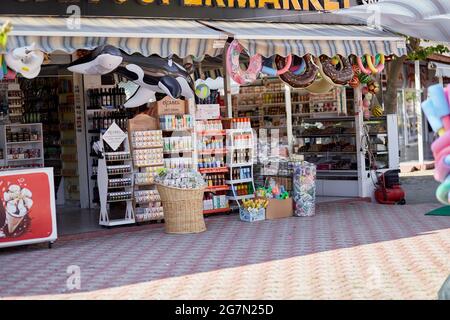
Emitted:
<point x="183" y="209"/>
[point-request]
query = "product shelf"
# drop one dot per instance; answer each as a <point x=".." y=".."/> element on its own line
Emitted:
<point x="210" y="151"/>
<point x="23" y="142"/>
<point x="218" y="188"/>
<point x="220" y="210"/>
<point x="211" y="133"/>
<point x="239" y="181"/>
<point x="213" y="170"/>
<point x="244" y="197"/>
<point x="237" y="165"/>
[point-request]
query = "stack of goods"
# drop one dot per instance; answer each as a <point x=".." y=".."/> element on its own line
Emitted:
<point x="272" y="191"/>
<point x="177" y="144"/>
<point x="241" y="173"/>
<point x="106" y="97"/>
<point x="119" y="196"/>
<point x="102" y="120"/>
<point x="241" y="123"/>
<point x="150" y="207"/>
<point x="215" y="180"/>
<point x="176" y="122"/>
<point x="146" y="139"/>
<point x="117" y="156"/>
<point x="119" y="183"/>
<point x="216" y="161"/>
<point x="119" y="169"/>
<point x="215" y="202"/>
<point x="206" y="125"/>
<point x="23" y="153"/>
<point x="243" y="189"/>
<point x="15" y="103"/>
<point x="181" y="178"/>
<point x="210" y="143"/>
<point x="253" y="210"/>
<point x="22" y="135"/>
<point x="339" y="146"/>
<point x="148" y="157"/>
<point x="304" y="193"/>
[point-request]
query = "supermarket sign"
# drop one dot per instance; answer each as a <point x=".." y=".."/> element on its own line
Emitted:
<point x="195" y="9"/>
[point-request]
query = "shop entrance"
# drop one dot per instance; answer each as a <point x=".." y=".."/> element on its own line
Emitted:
<point x="49" y="100"/>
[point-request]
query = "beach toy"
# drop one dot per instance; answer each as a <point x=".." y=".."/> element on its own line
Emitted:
<point x="25" y="60"/>
<point x="202" y="91"/>
<point x="341" y="72"/>
<point x="434" y="121"/>
<point x="296" y="79"/>
<point x="377" y="111"/>
<point x="298" y="69"/>
<point x="242" y="77"/>
<point x="269" y="70"/>
<point x="379" y="60"/>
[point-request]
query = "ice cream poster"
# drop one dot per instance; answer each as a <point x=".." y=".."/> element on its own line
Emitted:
<point x="27" y="206"/>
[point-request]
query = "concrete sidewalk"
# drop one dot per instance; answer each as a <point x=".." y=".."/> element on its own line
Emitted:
<point x="347" y="251"/>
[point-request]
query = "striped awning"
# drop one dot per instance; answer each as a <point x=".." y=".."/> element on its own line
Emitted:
<point x="268" y="39"/>
<point x="429" y="20"/>
<point x="146" y="36"/>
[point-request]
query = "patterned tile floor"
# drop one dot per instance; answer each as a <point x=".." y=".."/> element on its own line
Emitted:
<point x="347" y="251"/>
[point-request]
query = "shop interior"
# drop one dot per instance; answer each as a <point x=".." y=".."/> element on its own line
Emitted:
<point x="47" y="129"/>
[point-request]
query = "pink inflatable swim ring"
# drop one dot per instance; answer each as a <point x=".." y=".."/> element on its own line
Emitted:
<point x="242" y="77"/>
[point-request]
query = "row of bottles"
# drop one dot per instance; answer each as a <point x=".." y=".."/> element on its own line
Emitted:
<point x="102" y="120"/>
<point x="111" y="97"/>
<point x="215" y="180"/>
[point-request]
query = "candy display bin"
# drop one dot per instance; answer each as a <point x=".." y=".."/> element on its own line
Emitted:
<point x="304" y="193"/>
<point x="252" y="216"/>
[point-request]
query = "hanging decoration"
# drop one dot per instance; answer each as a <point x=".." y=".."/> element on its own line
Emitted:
<point x="295" y="77"/>
<point x="338" y="69"/>
<point x="269" y="70"/>
<point x="6" y="28"/>
<point x="242" y="77"/>
<point x="369" y="60"/>
<point x="25" y="60"/>
<point x="151" y="74"/>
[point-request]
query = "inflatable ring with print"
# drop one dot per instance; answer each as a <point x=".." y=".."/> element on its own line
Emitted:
<point x="379" y="61"/>
<point x="298" y="80"/>
<point x="341" y="73"/>
<point x="270" y="71"/>
<point x="242" y="77"/>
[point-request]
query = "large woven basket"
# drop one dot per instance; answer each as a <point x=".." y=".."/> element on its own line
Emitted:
<point x="183" y="209"/>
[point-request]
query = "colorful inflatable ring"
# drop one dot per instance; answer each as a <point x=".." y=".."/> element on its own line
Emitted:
<point x="234" y="69"/>
<point x="276" y="72"/>
<point x="341" y="75"/>
<point x="361" y="66"/>
<point x="380" y="65"/>
<point x="298" y="69"/>
<point x="302" y="80"/>
<point x="325" y="84"/>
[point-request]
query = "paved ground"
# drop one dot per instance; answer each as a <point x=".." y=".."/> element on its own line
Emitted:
<point x="346" y="251"/>
<point x="420" y="187"/>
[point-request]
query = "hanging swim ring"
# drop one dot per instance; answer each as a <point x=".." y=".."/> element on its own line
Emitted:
<point x="25" y="60"/>
<point x="300" y="77"/>
<point x="270" y="71"/>
<point x="379" y="60"/>
<point x="338" y="69"/>
<point x="242" y="77"/>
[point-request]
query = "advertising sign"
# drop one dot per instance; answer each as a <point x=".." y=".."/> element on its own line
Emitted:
<point x="27" y="209"/>
<point x="194" y="9"/>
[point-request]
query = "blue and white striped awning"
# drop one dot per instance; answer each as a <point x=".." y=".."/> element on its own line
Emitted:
<point x="146" y="36"/>
<point x="299" y="39"/>
<point x="429" y="20"/>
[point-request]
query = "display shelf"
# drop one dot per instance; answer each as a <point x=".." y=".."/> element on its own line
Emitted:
<point x="243" y="197"/>
<point x="23" y="142"/>
<point x="213" y="170"/>
<point x="238" y="181"/>
<point x="211" y="133"/>
<point x="237" y="165"/>
<point x="218" y="188"/>
<point x="212" y="151"/>
<point x="220" y="210"/>
<point x="103" y="178"/>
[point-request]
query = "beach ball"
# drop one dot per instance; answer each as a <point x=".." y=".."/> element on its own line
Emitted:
<point x="377" y="111"/>
<point x="202" y="91"/>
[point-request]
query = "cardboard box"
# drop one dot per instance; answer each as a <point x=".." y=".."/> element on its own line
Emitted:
<point x="250" y="216"/>
<point x="207" y="111"/>
<point x="277" y="209"/>
<point x="168" y="106"/>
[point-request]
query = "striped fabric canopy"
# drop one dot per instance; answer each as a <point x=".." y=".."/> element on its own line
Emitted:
<point x="146" y="36"/>
<point x="428" y="19"/>
<point x="299" y="39"/>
